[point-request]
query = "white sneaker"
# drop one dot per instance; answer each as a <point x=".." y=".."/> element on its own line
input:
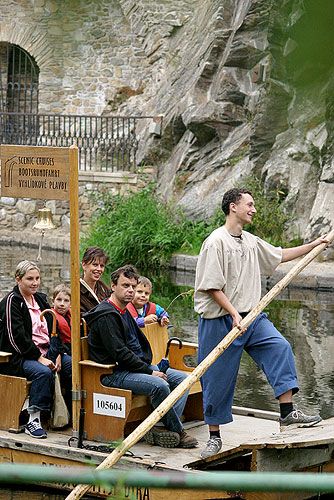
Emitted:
<point x="35" y="430"/>
<point x="213" y="446"/>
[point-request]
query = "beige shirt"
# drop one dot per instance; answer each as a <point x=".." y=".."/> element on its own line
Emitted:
<point x="234" y="266"/>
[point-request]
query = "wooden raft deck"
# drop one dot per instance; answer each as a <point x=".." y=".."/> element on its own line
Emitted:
<point x="303" y="449"/>
<point x="249" y="443"/>
<point x="244" y="428"/>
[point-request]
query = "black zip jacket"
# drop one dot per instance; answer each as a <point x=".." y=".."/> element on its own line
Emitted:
<point x="16" y="330"/>
<point x="107" y="339"/>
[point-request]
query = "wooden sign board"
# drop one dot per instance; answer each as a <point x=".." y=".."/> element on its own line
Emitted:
<point x="35" y="172"/>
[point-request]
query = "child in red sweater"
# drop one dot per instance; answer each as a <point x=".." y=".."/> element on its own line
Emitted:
<point x="142" y="310"/>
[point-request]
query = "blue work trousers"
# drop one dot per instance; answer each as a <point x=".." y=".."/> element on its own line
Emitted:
<point x="263" y="342"/>
<point x="42" y="382"/>
<point x="150" y="385"/>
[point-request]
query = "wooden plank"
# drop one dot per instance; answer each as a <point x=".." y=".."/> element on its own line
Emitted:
<point x="73" y="167"/>
<point x="35" y="172"/>
<point x="219" y="458"/>
<point x="23" y="456"/>
<point x="176" y="355"/>
<point x="159" y="494"/>
<point x="89" y="362"/>
<point x="4" y="356"/>
<point x="194" y="406"/>
<point x="290" y="495"/>
<point x="292" y="459"/>
<point x="157" y="337"/>
<point x="322" y="433"/>
<point x="307" y="447"/>
<point x="58" y="452"/>
<point x="104" y="428"/>
<point x="13" y="391"/>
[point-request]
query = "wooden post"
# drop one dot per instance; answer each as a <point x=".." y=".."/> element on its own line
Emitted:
<point x="75" y="284"/>
<point x="181" y="389"/>
<point x="51" y="173"/>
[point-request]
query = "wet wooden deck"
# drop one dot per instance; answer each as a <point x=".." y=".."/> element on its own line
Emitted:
<point x="251" y="442"/>
<point x="245" y="427"/>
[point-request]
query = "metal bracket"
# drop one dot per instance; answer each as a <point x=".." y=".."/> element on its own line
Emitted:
<point x="75" y="434"/>
<point x="79" y="395"/>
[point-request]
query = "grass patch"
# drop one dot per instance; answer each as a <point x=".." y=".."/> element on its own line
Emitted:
<point x="140" y="228"/>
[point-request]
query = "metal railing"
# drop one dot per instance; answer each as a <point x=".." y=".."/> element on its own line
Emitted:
<point x="105" y="143"/>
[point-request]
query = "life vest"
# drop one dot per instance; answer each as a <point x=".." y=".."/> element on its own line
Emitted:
<point x="149" y="308"/>
<point x="64" y="327"/>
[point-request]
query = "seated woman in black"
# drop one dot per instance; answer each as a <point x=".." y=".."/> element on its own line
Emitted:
<point x="27" y="337"/>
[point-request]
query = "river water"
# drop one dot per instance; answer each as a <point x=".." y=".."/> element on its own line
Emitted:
<point x="305" y="317"/>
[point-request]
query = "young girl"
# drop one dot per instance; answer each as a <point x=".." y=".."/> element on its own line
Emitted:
<point x="61" y="301"/>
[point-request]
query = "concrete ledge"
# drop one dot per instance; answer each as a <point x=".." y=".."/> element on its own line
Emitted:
<point x="319" y="275"/>
<point x="108" y="177"/>
<point x="31" y="239"/>
<point x="184" y="262"/>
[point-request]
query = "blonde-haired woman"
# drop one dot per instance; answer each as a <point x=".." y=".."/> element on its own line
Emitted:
<point x="27" y="337"/>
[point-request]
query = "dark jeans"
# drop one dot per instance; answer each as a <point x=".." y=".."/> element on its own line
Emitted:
<point x="42" y="382"/>
<point x="156" y="387"/>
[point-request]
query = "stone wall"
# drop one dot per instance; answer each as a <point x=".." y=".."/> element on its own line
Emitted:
<point x="92" y="55"/>
<point x="84" y="50"/>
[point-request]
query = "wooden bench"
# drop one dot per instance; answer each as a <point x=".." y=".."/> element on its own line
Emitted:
<point x="14" y="391"/>
<point x="110" y="413"/>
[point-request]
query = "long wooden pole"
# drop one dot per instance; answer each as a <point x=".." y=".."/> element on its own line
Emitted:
<point x="163" y="408"/>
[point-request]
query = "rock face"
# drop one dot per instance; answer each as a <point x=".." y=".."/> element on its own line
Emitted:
<point x="245" y="87"/>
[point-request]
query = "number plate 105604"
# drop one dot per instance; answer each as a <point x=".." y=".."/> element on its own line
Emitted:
<point x="114" y="406"/>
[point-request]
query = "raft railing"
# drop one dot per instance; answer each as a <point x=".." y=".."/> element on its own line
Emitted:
<point x="187" y="480"/>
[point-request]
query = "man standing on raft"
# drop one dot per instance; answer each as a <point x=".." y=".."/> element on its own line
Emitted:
<point x="227" y="288"/>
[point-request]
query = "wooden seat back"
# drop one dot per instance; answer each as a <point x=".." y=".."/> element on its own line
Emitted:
<point x="4" y="356"/>
<point x="84" y="348"/>
<point x="14" y="391"/>
<point x="158" y="337"/>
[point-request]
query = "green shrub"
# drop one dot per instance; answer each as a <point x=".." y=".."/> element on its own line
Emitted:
<point x="271" y="218"/>
<point x="140" y="228"/>
<point x="143" y="229"/>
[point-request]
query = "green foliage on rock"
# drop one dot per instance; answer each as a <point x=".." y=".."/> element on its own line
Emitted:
<point x="139" y="228"/>
<point x="270" y="220"/>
